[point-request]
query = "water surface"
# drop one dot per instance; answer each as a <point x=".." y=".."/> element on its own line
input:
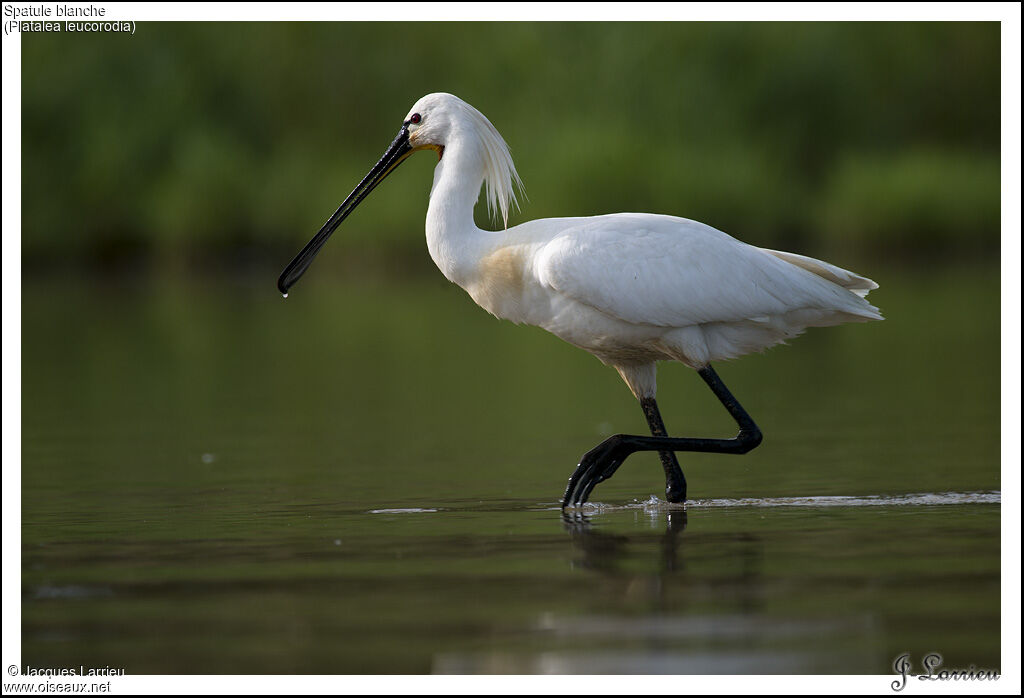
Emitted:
<point x="363" y="478"/>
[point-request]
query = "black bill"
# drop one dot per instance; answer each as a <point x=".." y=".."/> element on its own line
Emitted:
<point x="395" y="154"/>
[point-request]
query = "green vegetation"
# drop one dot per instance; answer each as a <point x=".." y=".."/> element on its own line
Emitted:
<point x="231" y="143"/>
<point x="206" y="468"/>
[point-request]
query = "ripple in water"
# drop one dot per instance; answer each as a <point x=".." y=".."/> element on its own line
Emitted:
<point x="894" y="500"/>
<point x="402" y="511"/>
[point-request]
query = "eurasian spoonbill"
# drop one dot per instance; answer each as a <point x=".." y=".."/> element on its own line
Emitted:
<point x="630" y="288"/>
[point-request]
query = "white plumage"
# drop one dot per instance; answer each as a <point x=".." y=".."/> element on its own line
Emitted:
<point x="630" y="288"/>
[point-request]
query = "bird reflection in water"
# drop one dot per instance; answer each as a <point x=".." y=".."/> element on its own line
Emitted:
<point x="681" y="570"/>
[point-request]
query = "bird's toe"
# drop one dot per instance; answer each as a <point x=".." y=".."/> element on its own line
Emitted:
<point x="596" y="466"/>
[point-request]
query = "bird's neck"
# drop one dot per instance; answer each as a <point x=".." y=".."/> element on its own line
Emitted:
<point x="452" y="236"/>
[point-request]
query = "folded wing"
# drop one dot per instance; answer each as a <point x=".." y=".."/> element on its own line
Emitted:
<point x="674" y="272"/>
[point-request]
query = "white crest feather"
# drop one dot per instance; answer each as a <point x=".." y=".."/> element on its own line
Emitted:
<point x="500" y="177"/>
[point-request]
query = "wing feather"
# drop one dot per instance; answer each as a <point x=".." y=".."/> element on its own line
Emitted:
<point x="674" y="272"/>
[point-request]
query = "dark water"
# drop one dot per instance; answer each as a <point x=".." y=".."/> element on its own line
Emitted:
<point x="364" y="478"/>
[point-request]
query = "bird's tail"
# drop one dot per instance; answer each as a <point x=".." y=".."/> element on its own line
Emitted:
<point x="861" y="285"/>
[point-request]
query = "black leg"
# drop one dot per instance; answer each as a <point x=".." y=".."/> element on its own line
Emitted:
<point x="601" y="462"/>
<point x="675" y="481"/>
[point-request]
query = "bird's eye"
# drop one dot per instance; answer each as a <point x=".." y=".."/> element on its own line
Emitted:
<point x="415" y="118"/>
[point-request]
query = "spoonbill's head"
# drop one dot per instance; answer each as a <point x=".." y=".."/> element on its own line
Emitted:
<point x="435" y="122"/>
<point x="433" y="119"/>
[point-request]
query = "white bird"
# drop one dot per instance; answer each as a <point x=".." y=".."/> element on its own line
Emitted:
<point x="630" y="288"/>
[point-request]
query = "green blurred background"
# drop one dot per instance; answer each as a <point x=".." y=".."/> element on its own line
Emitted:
<point x="364" y="477"/>
<point x="190" y="145"/>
